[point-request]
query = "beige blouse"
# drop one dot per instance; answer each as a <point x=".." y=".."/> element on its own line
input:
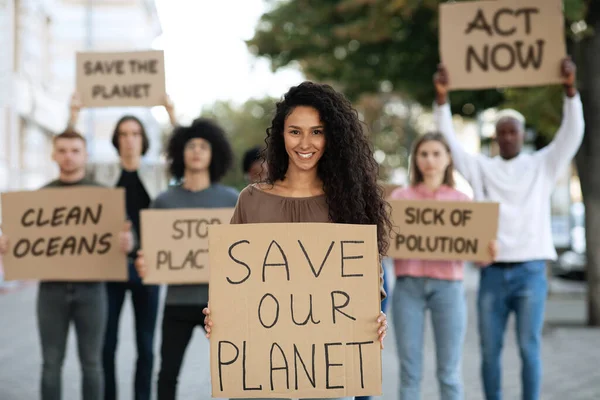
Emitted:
<point x="256" y="206"/>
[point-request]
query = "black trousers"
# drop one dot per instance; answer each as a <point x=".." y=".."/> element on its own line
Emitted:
<point x="178" y="326"/>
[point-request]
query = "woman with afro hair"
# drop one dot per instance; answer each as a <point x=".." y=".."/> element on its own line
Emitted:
<point x="320" y="168"/>
<point x="198" y="157"/>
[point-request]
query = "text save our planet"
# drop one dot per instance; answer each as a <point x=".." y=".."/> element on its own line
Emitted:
<point x="298" y="303"/>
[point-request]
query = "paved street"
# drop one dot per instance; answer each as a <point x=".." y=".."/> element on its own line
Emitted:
<point x="571" y="355"/>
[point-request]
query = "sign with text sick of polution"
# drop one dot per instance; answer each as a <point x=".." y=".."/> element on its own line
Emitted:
<point x="175" y="243"/>
<point x="65" y="234"/>
<point x="503" y="43"/>
<point x="295" y="310"/>
<point x="443" y="230"/>
<point x="121" y="79"/>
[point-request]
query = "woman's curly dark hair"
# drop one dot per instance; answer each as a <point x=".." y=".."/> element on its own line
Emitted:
<point x="222" y="155"/>
<point x="347" y="167"/>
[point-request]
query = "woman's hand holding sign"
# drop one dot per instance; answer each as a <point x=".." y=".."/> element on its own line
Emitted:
<point x="383" y="327"/>
<point x="4" y="244"/>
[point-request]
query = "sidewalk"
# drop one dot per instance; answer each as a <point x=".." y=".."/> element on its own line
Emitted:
<point x="571" y="356"/>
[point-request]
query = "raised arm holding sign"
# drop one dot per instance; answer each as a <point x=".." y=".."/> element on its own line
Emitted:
<point x="522" y="184"/>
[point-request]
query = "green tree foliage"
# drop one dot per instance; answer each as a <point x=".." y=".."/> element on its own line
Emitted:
<point x="245" y="126"/>
<point x="371" y="46"/>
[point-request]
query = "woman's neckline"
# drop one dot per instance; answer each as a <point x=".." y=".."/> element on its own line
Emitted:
<point x="256" y="187"/>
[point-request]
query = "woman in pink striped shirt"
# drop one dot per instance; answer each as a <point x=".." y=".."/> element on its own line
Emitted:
<point x="433" y="285"/>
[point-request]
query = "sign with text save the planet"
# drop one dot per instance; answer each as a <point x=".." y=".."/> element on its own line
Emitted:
<point x="295" y="309"/>
<point x="175" y="243"/>
<point x="121" y="79"/>
<point x="65" y="234"/>
<point x="502" y="43"/>
<point x="443" y="230"/>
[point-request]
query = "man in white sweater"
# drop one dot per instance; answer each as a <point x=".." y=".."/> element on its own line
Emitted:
<point x="522" y="184"/>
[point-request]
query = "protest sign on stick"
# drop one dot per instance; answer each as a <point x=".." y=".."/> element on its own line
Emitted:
<point x="503" y="43"/>
<point x="66" y="234"/>
<point x="121" y="79"/>
<point x="295" y="310"/>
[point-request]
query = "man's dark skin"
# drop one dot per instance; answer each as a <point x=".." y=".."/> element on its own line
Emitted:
<point x="509" y="131"/>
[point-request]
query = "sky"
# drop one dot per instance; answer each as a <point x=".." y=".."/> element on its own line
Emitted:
<point x="206" y="58"/>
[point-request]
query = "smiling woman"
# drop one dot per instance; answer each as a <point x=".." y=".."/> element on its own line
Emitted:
<point x="320" y="169"/>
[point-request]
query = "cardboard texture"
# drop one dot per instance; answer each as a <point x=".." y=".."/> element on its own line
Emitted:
<point x="175" y="243"/>
<point x="502" y="43"/>
<point x="443" y="230"/>
<point x="265" y="340"/>
<point x="121" y="79"/>
<point x="64" y="234"/>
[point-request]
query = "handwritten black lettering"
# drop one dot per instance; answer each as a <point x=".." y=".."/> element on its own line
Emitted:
<point x="328" y="365"/>
<point x="57" y="216"/>
<point x="244" y="371"/>
<point x="235" y="260"/>
<point x="310" y="315"/>
<point x="104" y="67"/>
<point x="514" y="54"/>
<point x="437" y="244"/>
<point x="260" y="306"/>
<point x="479" y="22"/>
<point x="344" y="258"/>
<point x="127" y="91"/>
<point x="527" y="11"/>
<point x="495" y="58"/>
<point x="315" y="273"/>
<point x="58" y="245"/>
<point x="284" y="368"/>
<point x="140" y="67"/>
<point x="311" y="378"/>
<point x="70" y="244"/>
<point x="222" y="363"/>
<point x="337" y="308"/>
<point x="275" y="264"/>
<point x="532" y="58"/>
<point x="360" y="357"/>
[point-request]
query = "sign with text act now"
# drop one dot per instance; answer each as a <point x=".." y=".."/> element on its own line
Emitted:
<point x="443" y="230"/>
<point x="295" y="309"/>
<point x="502" y="43"/>
<point x="65" y="234"/>
<point x="175" y="243"/>
<point x="121" y="79"/>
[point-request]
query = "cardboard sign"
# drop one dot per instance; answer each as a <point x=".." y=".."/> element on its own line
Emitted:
<point x="65" y="234"/>
<point x="175" y="243"/>
<point x="443" y="230"/>
<point x="502" y="43"/>
<point x="121" y="79"/>
<point x="295" y="310"/>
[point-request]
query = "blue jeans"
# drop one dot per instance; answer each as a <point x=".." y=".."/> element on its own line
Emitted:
<point x="145" y="307"/>
<point x="83" y="303"/>
<point x="520" y="288"/>
<point x="447" y="304"/>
